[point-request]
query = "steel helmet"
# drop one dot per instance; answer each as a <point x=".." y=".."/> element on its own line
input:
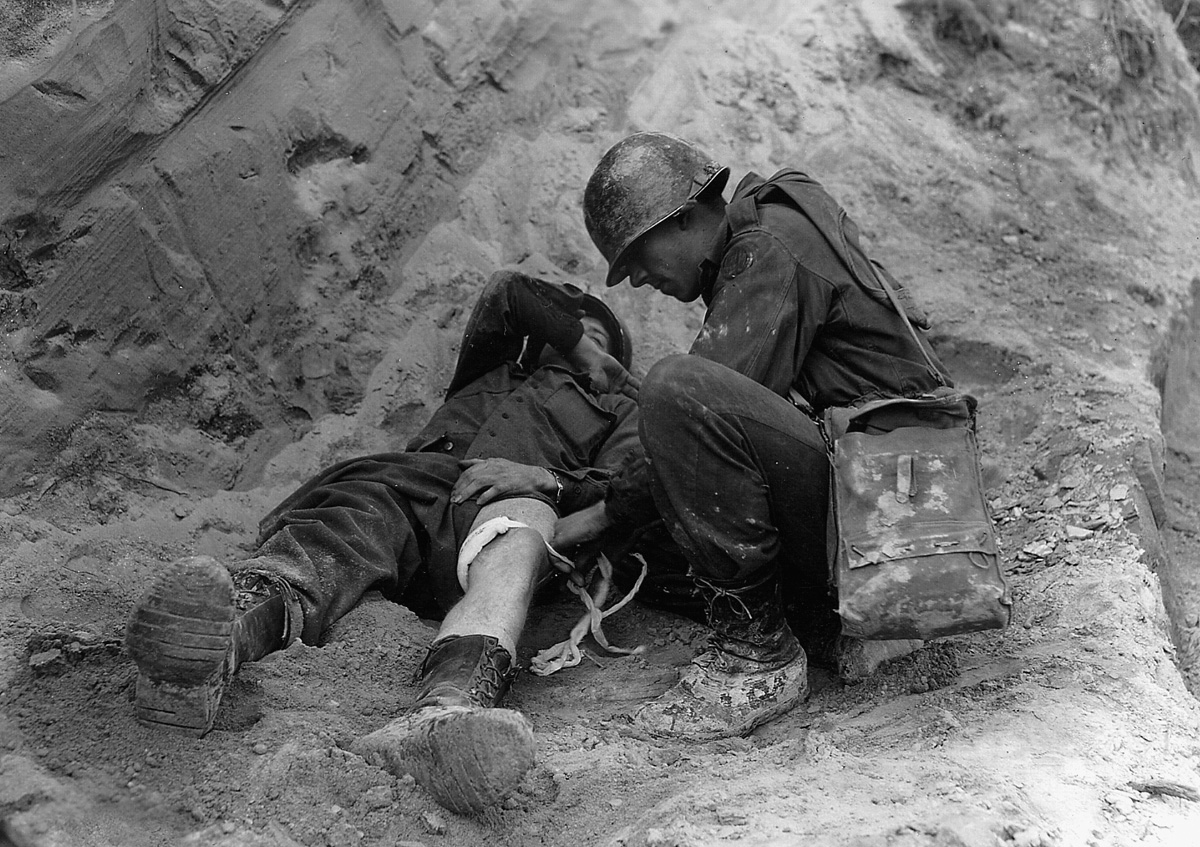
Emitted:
<point x="640" y="182"/>
<point x="621" y="346"/>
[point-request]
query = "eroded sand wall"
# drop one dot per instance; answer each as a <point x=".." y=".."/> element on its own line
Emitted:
<point x="189" y="179"/>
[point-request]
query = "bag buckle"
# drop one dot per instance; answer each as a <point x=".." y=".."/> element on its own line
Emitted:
<point x="904" y="478"/>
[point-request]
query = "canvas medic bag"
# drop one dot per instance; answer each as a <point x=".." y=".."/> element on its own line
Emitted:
<point x="912" y="546"/>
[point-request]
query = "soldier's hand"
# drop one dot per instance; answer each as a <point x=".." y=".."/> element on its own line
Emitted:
<point x="617" y="379"/>
<point x="488" y="479"/>
<point x="606" y="373"/>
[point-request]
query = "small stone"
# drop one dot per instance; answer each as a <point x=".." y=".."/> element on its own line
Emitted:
<point x="40" y="661"/>
<point x="1118" y="492"/>
<point x="1078" y="532"/>
<point x="378" y="797"/>
<point x="260" y="748"/>
<point x="434" y="823"/>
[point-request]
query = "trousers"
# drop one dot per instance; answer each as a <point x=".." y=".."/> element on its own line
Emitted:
<point x="381" y="523"/>
<point x="739" y="475"/>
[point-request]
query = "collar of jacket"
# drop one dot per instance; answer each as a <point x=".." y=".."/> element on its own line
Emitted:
<point x="711" y="266"/>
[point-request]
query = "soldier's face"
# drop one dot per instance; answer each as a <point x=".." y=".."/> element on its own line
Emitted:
<point x="596" y="331"/>
<point x="667" y="259"/>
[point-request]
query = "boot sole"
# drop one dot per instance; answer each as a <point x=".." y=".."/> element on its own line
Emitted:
<point x="467" y="758"/>
<point x="180" y="637"/>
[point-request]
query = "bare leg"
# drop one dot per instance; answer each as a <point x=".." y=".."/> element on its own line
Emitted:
<point x="504" y="575"/>
<point x="466" y="753"/>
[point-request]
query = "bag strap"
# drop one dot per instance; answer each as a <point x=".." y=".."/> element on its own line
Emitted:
<point x="896" y="304"/>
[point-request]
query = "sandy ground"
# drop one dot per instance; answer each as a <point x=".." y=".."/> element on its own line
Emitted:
<point x="1043" y="212"/>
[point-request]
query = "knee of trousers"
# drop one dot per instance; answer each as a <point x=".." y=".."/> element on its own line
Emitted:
<point x="675" y="383"/>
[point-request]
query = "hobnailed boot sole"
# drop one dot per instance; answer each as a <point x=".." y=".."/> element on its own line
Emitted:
<point x="467" y="757"/>
<point x="180" y="635"/>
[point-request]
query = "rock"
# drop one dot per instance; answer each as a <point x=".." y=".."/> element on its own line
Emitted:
<point x="378" y="797"/>
<point x="434" y="822"/>
<point x="45" y="660"/>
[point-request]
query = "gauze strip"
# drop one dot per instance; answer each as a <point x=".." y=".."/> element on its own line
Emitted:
<point x="566" y="653"/>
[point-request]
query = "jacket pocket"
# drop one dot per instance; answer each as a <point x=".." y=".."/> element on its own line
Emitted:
<point x="580" y="424"/>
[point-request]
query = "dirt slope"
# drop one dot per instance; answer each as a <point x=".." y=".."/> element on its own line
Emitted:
<point x="268" y="270"/>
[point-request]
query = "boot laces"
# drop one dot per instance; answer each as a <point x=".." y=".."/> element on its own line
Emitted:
<point x="490" y="679"/>
<point x="252" y="589"/>
<point x="255" y="587"/>
<point x="715" y="592"/>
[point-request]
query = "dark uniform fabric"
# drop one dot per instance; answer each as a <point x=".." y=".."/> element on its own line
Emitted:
<point x="737" y="470"/>
<point x="386" y="522"/>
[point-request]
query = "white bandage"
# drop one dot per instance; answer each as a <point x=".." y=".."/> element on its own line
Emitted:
<point x="483" y="535"/>
<point x="480" y="537"/>
<point x="564" y="654"/>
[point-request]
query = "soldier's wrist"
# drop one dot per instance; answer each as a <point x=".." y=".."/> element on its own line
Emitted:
<point x="557" y="486"/>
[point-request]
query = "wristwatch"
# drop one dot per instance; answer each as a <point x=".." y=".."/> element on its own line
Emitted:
<point x="558" y="482"/>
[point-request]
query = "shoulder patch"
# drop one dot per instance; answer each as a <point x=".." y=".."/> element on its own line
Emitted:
<point x="737" y="260"/>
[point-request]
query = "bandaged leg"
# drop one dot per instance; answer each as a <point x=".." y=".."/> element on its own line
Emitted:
<point x="486" y="531"/>
<point x="454" y="741"/>
<point x="504" y="571"/>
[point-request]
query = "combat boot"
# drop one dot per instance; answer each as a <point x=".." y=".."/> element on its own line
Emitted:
<point x="453" y="742"/>
<point x="191" y="631"/>
<point x="753" y="670"/>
